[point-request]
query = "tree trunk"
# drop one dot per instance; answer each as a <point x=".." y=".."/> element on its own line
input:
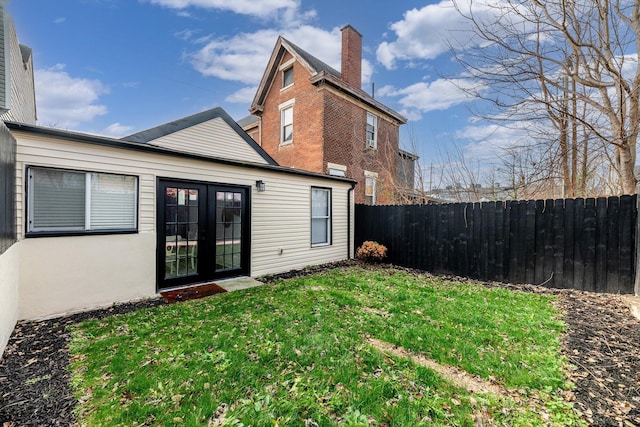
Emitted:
<point x="627" y="166"/>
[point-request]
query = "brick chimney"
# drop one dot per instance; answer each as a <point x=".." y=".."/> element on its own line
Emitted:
<point x="351" y="56"/>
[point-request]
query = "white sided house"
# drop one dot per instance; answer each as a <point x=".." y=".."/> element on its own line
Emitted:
<point x="100" y="220"/>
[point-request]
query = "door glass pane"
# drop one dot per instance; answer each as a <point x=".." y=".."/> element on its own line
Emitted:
<point x="228" y="230"/>
<point x="193" y="231"/>
<point x="181" y="228"/>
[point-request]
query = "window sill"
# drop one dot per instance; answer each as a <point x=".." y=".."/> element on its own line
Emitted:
<point x="286" y="143"/>
<point x="286" y="87"/>
<point x="320" y="245"/>
<point x="32" y="234"/>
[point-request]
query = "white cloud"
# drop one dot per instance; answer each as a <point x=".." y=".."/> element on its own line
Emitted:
<point x="186" y="34"/>
<point x="242" y="96"/>
<point x="487" y="141"/>
<point x="64" y="101"/>
<point x="429" y="96"/>
<point x="243" y="57"/>
<point x="422" y="33"/>
<point x="59" y="20"/>
<point x="236" y="58"/>
<point x="283" y="9"/>
<point x="116" y="130"/>
<point x="429" y="32"/>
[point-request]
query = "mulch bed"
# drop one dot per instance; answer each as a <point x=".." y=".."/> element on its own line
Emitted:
<point x="602" y="344"/>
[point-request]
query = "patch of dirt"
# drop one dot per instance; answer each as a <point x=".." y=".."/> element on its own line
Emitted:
<point x="458" y="377"/>
<point x="602" y="343"/>
<point x="34" y="382"/>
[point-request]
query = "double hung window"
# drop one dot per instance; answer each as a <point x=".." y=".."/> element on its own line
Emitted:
<point x="65" y="201"/>
<point x="320" y="216"/>
<point x="372" y="131"/>
<point x="286" y="122"/>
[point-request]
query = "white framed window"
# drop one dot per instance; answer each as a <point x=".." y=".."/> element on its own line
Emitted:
<point x="320" y="216"/>
<point x="287" y="77"/>
<point x="286" y="122"/>
<point x="286" y="71"/>
<point x="372" y="131"/>
<point x="67" y="201"/>
<point x="370" y="179"/>
<point x="336" y="169"/>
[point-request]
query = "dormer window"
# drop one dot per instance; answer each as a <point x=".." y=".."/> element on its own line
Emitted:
<point x="287" y="77"/>
<point x="372" y="131"/>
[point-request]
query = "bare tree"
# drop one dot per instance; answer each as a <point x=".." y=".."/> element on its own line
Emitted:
<point x="569" y="66"/>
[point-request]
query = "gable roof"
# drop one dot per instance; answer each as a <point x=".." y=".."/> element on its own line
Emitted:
<point x="146" y="136"/>
<point x="320" y="73"/>
<point x="248" y="120"/>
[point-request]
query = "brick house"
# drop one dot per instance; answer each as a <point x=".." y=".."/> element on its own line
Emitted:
<point x="309" y="116"/>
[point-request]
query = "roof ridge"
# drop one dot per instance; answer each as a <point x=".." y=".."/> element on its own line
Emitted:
<point x="317" y="64"/>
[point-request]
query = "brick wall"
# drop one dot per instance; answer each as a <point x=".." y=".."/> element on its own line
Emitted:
<point x="329" y="128"/>
<point x="344" y="136"/>
<point x="306" y="150"/>
<point x="351" y="60"/>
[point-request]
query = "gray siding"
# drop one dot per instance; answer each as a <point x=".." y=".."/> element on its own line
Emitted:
<point x="17" y="90"/>
<point x="4" y="59"/>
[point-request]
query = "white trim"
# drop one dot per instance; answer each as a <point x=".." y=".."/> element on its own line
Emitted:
<point x="373" y="176"/>
<point x="283" y="107"/>
<point x="336" y="169"/>
<point x="286" y="64"/>
<point x="336" y="166"/>
<point x="287" y="103"/>
<point x="371" y="143"/>
<point x="290" y="85"/>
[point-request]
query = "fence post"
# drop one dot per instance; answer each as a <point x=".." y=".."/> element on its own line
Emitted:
<point x="637" y="272"/>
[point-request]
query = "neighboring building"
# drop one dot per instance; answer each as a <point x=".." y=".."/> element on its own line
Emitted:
<point x="470" y="194"/>
<point x="17" y="92"/>
<point x="309" y="116"/>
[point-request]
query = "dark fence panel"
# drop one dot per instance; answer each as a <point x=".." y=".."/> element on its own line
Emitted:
<point x="586" y="244"/>
<point x="7" y="189"/>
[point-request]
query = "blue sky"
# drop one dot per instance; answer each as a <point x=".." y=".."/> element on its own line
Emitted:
<point x="115" y="67"/>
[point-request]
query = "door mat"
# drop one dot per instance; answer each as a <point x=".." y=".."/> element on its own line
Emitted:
<point x="191" y="292"/>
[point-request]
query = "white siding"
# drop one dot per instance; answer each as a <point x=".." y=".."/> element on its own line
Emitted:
<point x="51" y="267"/>
<point x="213" y="138"/>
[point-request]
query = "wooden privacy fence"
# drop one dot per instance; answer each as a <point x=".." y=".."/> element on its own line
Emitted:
<point x="586" y="244"/>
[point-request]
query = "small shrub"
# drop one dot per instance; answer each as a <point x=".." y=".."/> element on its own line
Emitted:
<point x="371" y="252"/>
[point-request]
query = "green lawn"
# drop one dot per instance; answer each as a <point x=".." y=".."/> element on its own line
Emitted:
<point x="296" y="353"/>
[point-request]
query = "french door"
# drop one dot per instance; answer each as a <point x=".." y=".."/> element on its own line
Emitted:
<point x="203" y="232"/>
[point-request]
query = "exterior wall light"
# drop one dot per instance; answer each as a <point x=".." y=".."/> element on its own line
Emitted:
<point x="260" y="186"/>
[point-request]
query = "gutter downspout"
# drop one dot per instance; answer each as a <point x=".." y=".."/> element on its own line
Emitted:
<point x="349" y="193"/>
